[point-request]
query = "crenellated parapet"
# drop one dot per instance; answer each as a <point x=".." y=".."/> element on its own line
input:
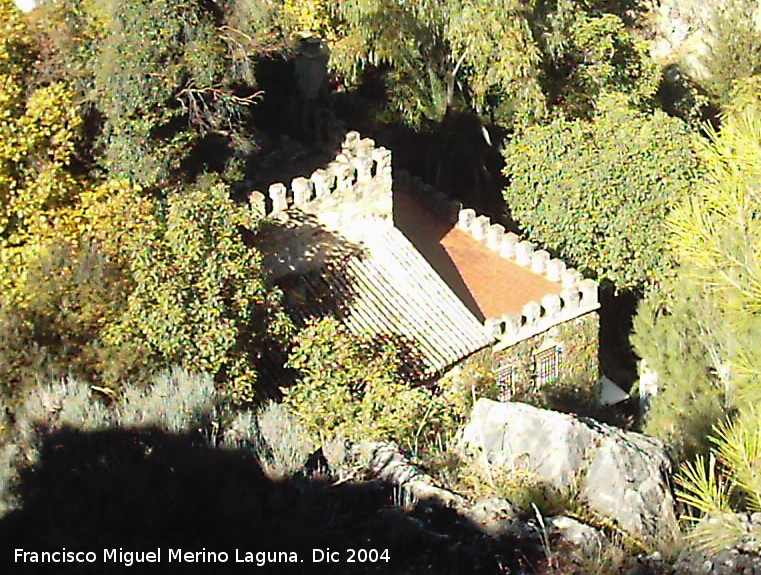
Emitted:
<point x="577" y="296"/>
<point x="352" y="190"/>
<point x="352" y="195"/>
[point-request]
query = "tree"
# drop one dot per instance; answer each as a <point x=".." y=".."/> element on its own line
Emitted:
<point x="351" y="385"/>
<point x="726" y="481"/>
<point x="199" y="298"/>
<point x="598" y="191"/>
<point x="187" y="84"/>
<point x="716" y="237"/>
<point x="593" y="55"/>
<point x="684" y="340"/>
<point x="734" y="51"/>
<point x="442" y="55"/>
<point x="503" y="61"/>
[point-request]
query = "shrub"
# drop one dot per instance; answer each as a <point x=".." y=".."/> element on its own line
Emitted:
<point x="175" y="401"/>
<point x="598" y="192"/>
<point x="351" y="385"/>
<point x="725" y="482"/>
<point x="199" y="298"/>
<point x="54" y="325"/>
<point x="735" y="51"/>
<point x="276" y="438"/>
<point x="683" y="340"/>
<point x="51" y="406"/>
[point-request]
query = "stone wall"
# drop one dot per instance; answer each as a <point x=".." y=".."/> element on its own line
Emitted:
<point x="579" y="366"/>
<point x="351" y="196"/>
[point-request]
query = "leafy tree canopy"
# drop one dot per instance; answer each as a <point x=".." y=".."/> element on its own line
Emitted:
<point x="598" y="191"/>
<point x="504" y="60"/>
<point x="199" y="298"/>
<point x="162" y="77"/>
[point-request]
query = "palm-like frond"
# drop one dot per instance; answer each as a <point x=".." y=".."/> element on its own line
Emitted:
<point x="704" y="489"/>
<point x="738" y="446"/>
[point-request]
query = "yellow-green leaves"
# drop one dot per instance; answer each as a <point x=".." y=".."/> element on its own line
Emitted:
<point x="730" y="478"/>
<point x="350" y="385"/>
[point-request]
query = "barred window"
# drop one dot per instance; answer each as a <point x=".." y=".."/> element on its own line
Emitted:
<point x="507" y="377"/>
<point x="547" y="365"/>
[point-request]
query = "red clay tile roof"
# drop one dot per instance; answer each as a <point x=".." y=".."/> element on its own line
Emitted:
<point x="489" y="285"/>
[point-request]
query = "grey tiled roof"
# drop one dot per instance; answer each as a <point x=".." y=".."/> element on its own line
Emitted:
<point x="387" y="287"/>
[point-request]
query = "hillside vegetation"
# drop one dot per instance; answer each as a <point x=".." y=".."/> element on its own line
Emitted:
<point x="137" y="321"/>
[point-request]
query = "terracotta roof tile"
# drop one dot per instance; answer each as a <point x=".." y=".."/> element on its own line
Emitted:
<point x="489" y="285"/>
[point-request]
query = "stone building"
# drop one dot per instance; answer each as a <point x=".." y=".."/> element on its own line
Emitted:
<point x="390" y="256"/>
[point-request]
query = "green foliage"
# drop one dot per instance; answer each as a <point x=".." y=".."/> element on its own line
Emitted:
<point x="597" y="192"/>
<point x="39" y="129"/>
<point x="199" y="298"/>
<point x="521" y="487"/>
<point x="350" y="385"/>
<point x="735" y="51"/>
<point x="277" y="439"/>
<point x="716" y="236"/>
<point x="54" y="325"/>
<point x="478" y="54"/>
<point x="600" y="57"/>
<point x="172" y="78"/>
<point x="195" y="266"/>
<point x="176" y="400"/>
<point x="729" y="481"/>
<point x="502" y="60"/>
<point x="684" y="341"/>
<point x="188" y="75"/>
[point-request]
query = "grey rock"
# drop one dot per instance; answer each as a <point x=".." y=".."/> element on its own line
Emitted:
<point x="386" y="462"/>
<point x="496" y="517"/>
<point x="587" y="539"/>
<point x="621" y="475"/>
<point x="725" y="562"/>
<point x="742" y="557"/>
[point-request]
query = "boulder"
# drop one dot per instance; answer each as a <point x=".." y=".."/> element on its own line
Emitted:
<point x="586" y="539"/>
<point x="386" y="462"/>
<point x="622" y="476"/>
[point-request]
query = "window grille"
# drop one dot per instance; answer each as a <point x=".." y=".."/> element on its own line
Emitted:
<point x="547" y="365"/>
<point x="507" y="377"/>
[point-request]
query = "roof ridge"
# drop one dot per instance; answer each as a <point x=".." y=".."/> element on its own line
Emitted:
<point x="579" y="295"/>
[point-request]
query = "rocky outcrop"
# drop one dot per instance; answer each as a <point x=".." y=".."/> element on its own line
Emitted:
<point x="619" y="475"/>
<point x="384" y="461"/>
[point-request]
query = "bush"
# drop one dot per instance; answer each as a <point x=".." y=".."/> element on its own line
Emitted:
<point x="54" y="325"/>
<point x="727" y="481"/>
<point x="351" y="385"/>
<point x="735" y="52"/>
<point x="683" y="341"/>
<point x="598" y="192"/>
<point x="175" y="401"/>
<point x="275" y="437"/>
<point x="199" y="298"/>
